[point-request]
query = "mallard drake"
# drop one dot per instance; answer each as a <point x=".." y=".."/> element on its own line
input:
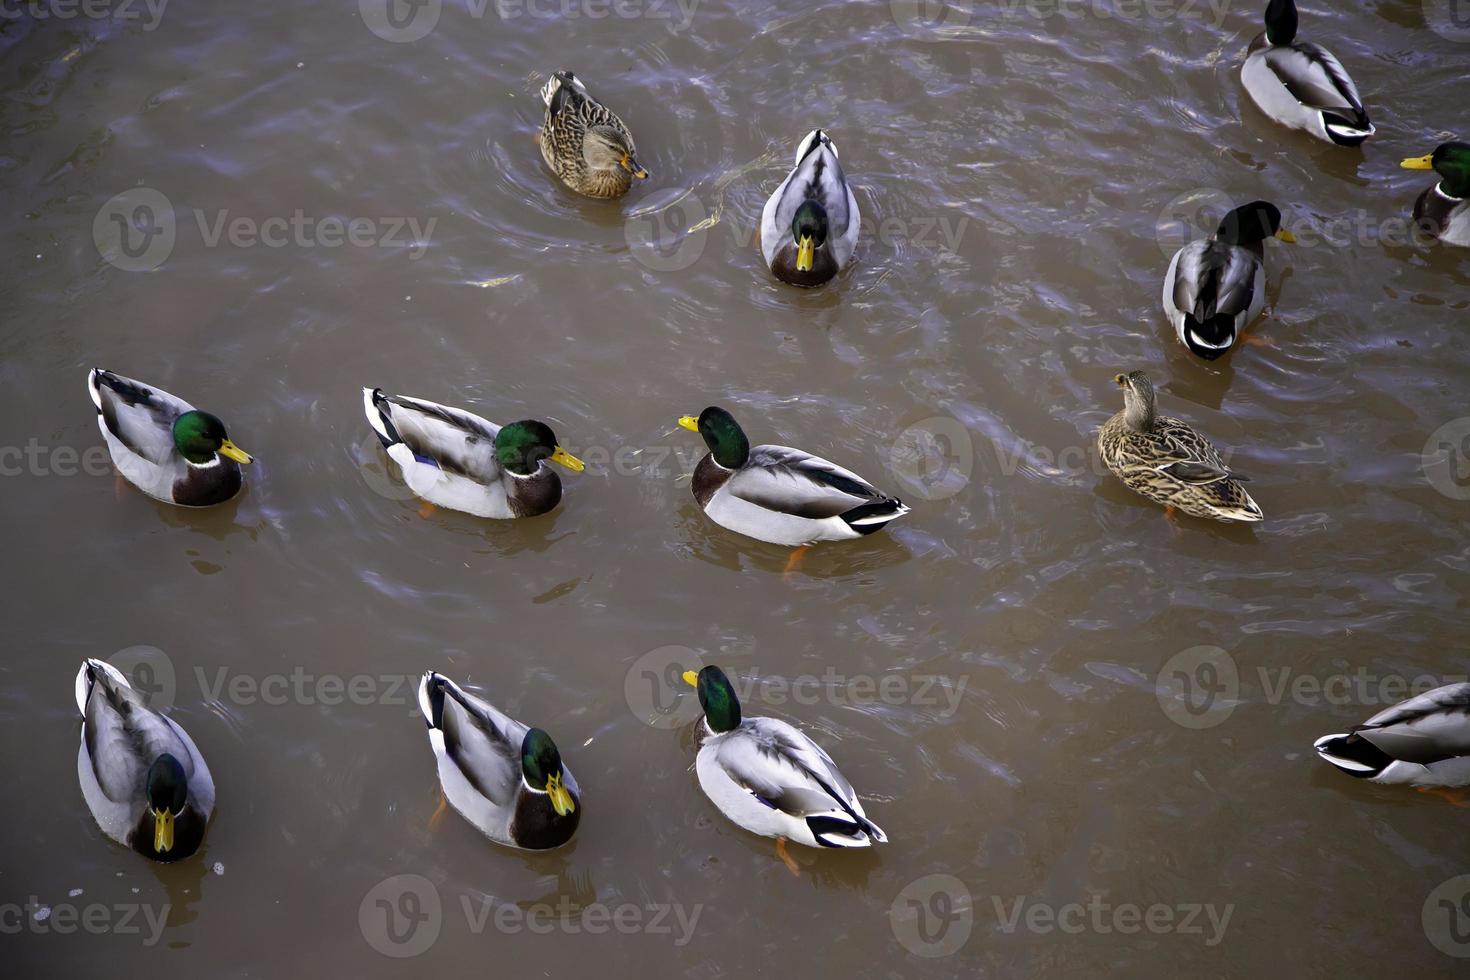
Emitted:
<point x="1443" y="210"/>
<point x="1167" y="461"/>
<point x="454" y="459"/>
<point x="770" y="778"/>
<point x="141" y="774"/>
<point x="1300" y="85"/>
<point x="1424" y="741"/>
<point x="1216" y="286"/>
<point x="163" y="445"/>
<point x="809" y="228"/>
<point x="585" y="142"/>
<point x="503" y="777"/>
<point x="778" y="494"/>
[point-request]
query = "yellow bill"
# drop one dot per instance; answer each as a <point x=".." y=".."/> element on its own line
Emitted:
<point x="689" y="422"/>
<point x="1285" y="235"/>
<point x="232" y="451"/>
<point x="163" y="831"/>
<point x="691" y="678"/>
<point x="561" y="799"/>
<point x="560" y="455"/>
<point x="1426" y="162"/>
<point x="634" y="167"/>
<point x="806" y="251"/>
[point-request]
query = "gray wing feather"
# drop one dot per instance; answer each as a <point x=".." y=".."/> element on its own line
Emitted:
<point x="485" y="744"/>
<point x="1314" y="76"/>
<point x="785" y="768"/>
<point x="794" y="482"/>
<point x="453" y="439"/>
<point x="1427" y="728"/>
<point x="141" y="416"/>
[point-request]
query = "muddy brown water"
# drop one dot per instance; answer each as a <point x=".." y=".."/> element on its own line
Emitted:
<point x="1003" y="675"/>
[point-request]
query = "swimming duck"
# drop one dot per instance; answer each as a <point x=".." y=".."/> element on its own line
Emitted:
<point x="781" y="495"/>
<point x="585" y="142"/>
<point x="1168" y="462"/>
<point x="1300" y="85"/>
<point x="454" y="459"/>
<point x="141" y="774"/>
<point x="1216" y="286"/>
<point x="770" y="778"/>
<point x="503" y="777"/>
<point x="809" y="228"/>
<point x="163" y="445"/>
<point x="1424" y="741"/>
<point x="1444" y="209"/>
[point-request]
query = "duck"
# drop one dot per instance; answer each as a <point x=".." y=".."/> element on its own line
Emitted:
<point x="141" y="774"/>
<point x="1216" y="286"/>
<point x="1422" y="742"/>
<point x="1300" y="85"/>
<point x="781" y="495"/>
<point x="455" y="459"/>
<point x="584" y="142"/>
<point x="163" y="445"/>
<point x="505" y="778"/>
<point x="1443" y="210"/>
<point x="770" y="778"/>
<point x="809" y="227"/>
<point x="1167" y="461"/>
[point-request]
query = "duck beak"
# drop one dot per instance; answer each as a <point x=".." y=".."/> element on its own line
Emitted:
<point x="689" y="422"/>
<point x="1285" y="236"/>
<point x="560" y="455"/>
<point x="561" y="800"/>
<point x="691" y="678"/>
<point x="1425" y="162"/>
<point x="634" y="167"/>
<point x="232" y="451"/>
<point x="1121" y="380"/>
<point x="163" y="831"/>
<point x="806" y="251"/>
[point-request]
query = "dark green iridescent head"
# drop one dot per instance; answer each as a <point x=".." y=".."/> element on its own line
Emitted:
<point x="1250" y="223"/>
<point x="724" y="437"/>
<point x="167" y="787"/>
<point x="717" y="698"/>
<point x="810" y="221"/>
<point x="521" y="446"/>
<point x="198" y="436"/>
<point x="1281" y="21"/>
<point x="540" y="760"/>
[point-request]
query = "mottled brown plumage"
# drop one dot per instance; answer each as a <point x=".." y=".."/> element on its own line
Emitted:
<point x="1167" y="461"/>
<point x="585" y="142"/>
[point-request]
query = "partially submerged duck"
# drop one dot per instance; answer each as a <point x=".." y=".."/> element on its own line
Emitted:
<point x="1300" y="85"/>
<point x="1443" y="210"/>
<point x="809" y="227"/>
<point x="770" y="778"/>
<point x="142" y="776"/>
<point x="1167" y="461"/>
<point x="1423" y="742"/>
<point x="778" y="494"/>
<point x="584" y="142"/>
<point x="163" y="445"/>
<point x="456" y="459"/>
<point x="1216" y="286"/>
<point x="506" y="778"/>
